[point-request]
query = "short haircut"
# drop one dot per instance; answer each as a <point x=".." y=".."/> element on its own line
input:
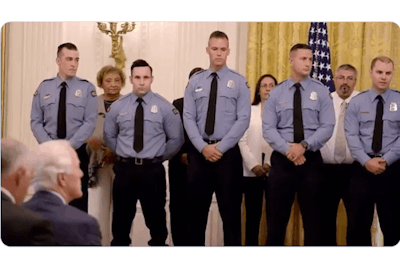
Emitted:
<point x="141" y="63"/>
<point x="53" y="157"/>
<point x="110" y="69"/>
<point x="347" y="67"/>
<point x="257" y="97"/>
<point x="299" y="46"/>
<point x="69" y="46"/>
<point x="13" y="155"/>
<point x="218" y="34"/>
<point x="383" y="59"/>
<point x="194" y="71"/>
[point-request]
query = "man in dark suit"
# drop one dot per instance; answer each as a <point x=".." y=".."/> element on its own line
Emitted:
<point x="177" y="170"/>
<point x="19" y="226"/>
<point x="57" y="182"/>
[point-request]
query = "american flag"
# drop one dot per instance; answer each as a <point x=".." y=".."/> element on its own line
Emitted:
<point x="318" y="41"/>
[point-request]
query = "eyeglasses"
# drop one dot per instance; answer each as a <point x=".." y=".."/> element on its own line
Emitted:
<point x="348" y="79"/>
<point x="267" y="86"/>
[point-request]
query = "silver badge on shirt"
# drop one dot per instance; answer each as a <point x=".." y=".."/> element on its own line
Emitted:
<point x="393" y="106"/>
<point x="154" y="109"/>
<point x="230" y="84"/>
<point x="313" y="96"/>
<point x="78" y="93"/>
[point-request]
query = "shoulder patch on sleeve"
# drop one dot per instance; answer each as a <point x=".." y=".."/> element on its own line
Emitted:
<point x="36" y="93"/>
<point x="247" y="84"/>
<point x="109" y="108"/>
<point x="93" y="93"/>
<point x="330" y="95"/>
<point x="175" y="111"/>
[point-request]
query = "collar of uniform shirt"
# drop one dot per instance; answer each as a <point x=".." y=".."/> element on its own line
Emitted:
<point x="220" y="73"/>
<point x="374" y="94"/>
<point x="304" y="83"/>
<point x="146" y="98"/>
<point x="59" y="81"/>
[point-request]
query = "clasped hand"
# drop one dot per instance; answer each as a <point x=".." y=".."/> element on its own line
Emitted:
<point x="296" y="154"/>
<point x="211" y="153"/>
<point x="376" y="165"/>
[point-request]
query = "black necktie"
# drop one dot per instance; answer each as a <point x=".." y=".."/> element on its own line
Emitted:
<point x="62" y="111"/>
<point x="377" y="139"/>
<point x="210" y="121"/>
<point x="297" y="116"/>
<point x="138" y="138"/>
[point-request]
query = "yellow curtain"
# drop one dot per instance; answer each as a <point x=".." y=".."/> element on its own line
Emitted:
<point x="355" y="43"/>
<point x="3" y="54"/>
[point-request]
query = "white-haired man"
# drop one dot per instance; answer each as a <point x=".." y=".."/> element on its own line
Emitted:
<point x="19" y="226"/>
<point x="57" y="182"/>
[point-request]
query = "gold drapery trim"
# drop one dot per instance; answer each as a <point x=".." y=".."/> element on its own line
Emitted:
<point x="355" y="43"/>
<point x="3" y="75"/>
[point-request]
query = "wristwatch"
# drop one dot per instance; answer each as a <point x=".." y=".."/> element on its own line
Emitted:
<point x="304" y="144"/>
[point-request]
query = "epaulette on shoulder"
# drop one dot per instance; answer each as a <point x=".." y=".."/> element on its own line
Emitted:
<point x="162" y="98"/>
<point x="50" y="79"/>
<point x="122" y="97"/>
<point x="234" y="71"/>
<point x="281" y="82"/>
<point x="395" y="90"/>
<point x="196" y="75"/>
<point x="317" y="81"/>
<point x="83" y="80"/>
<point x="363" y="92"/>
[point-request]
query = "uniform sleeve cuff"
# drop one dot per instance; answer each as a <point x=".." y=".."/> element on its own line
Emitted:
<point x="283" y="149"/>
<point x="390" y="157"/>
<point x="363" y="159"/>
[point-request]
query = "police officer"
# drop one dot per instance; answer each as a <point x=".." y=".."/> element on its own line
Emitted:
<point x="216" y="114"/>
<point x="372" y="126"/>
<point x="143" y="129"/>
<point x="65" y="107"/>
<point x="298" y="119"/>
<point x="177" y="172"/>
<point x="338" y="167"/>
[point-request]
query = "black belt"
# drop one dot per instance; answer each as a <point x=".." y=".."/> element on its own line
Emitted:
<point x="139" y="161"/>
<point x="375" y="156"/>
<point x="210" y="142"/>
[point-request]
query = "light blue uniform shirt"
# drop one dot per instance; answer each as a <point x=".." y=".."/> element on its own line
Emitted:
<point x="162" y="133"/>
<point x="81" y="104"/>
<point x="233" y="108"/>
<point x="360" y="124"/>
<point x="317" y="110"/>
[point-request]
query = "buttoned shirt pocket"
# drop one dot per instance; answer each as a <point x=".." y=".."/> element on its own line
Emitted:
<point x="311" y="113"/>
<point x="77" y="106"/>
<point x="367" y="123"/>
<point x="391" y="123"/>
<point x="153" y="125"/>
<point x="229" y="98"/>
<point x="201" y="99"/>
<point x="125" y="123"/>
<point x="284" y="111"/>
<point x="49" y="107"/>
